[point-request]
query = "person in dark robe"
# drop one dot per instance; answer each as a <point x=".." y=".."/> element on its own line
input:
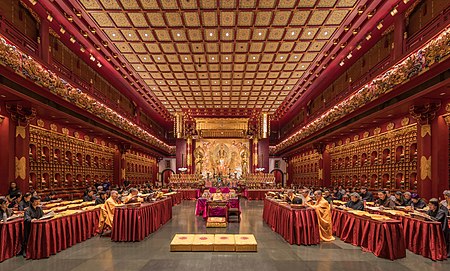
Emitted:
<point x="13" y="192"/>
<point x="101" y="198"/>
<point x="355" y="202"/>
<point x="407" y="199"/>
<point x="51" y="196"/>
<point x="89" y="196"/>
<point x="384" y="201"/>
<point x="292" y="198"/>
<point x="337" y="195"/>
<point x="440" y="214"/>
<point x="399" y="200"/>
<point x="417" y="202"/>
<point x="366" y="195"/>
<point x="31" y="214"/>
<point x="5" y="212"/>
<point x="14" y="203"/>
<point x="25" y="202"/>
<point x="327" y="196"/>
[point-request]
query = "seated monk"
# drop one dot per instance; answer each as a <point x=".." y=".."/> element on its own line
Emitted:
<point x="107" y="211"/>
<point x="132" y="197"/>
<point x="323" y="211"/>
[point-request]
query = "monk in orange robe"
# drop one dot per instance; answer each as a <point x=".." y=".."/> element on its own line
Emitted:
<point x="323" y="211"/>
<point x="107" y="211"/>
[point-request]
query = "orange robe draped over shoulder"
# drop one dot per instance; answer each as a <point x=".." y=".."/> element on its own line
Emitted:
<point x="107" y="213"/>
<point x="323" y="211"/>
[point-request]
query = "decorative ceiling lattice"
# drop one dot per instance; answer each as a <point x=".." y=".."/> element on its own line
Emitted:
<point x="219" y="54"/>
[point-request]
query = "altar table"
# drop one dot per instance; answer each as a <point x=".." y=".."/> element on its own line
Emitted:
<point x="201" y="208"/>
<point x="296" y="226"/>
<point x="176" y="197"/>
<point x="48" y="237"/>
<point x="135" y="223"/>
<point x="385" y="239"/>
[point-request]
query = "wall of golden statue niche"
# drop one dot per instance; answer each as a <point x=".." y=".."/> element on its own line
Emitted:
<point x="383" y="157"/>
<point x="63" y="159"/>
<point x="305" y="168"/>
<point x="140" y="168"/>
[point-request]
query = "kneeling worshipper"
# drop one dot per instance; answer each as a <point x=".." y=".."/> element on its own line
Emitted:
<point x="323" y="211"/>
<point x="25" y="202"/>
<point x="89" y="197"/>
<point x="107" y="211"/>
<point x="440" y="214"/>
<point x="384" y="201"/>
<point x="31" y="213"/>
<point x="355" y="202"/>
<point x="5" y="212"/>
<point x="101" y="198"/>
<point x="292" y="198"/>
<point x="305" y="196"/>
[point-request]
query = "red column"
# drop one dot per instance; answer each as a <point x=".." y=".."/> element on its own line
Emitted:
<point x="440" y="155"/>
<point x="326" y="167"/>
<point x="117" y="170"/>
<point x="7" y="155"/>
<point x="425" y="115"/>
<point x="180" y="153"/>
<point x="44" y="40"/>
<point x="263" y="154"/>
<point x="399" y="41"/>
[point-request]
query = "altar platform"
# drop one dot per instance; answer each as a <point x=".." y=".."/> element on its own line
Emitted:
<point x="214" y="242"/>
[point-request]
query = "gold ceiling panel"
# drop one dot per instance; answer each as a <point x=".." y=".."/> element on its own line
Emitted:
<point x="90" y="4"/>
<point x="110" y="4"/>
<point x="217" y="54"/>
<point x="130" y="4"/>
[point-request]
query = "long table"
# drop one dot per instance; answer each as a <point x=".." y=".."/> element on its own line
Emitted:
<point x="48" y="237"/>
<point x="296" y="226"/>
<point x="385" y="239"/>
<point x="136" y="223"/>
<point x="176" y="198"/>
<point x="187" y="194"/>
<point x="11" y="234"/>
<point x="258" y="194"/>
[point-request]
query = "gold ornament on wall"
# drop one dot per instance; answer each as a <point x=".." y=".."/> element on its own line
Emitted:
<point x="425" y="129"/>
<point x="377" y="131"/>
<point x="21" y="168"/>
<point x="65" y="131"/>
<point x="40" y="123"/>
<point x="390" y="126"/>
<point x="425" y="167"/>
<point x="366" y="134"/>
<point x="53" y="127"/>
<point x="20" y="131"/>
<point x="405" y="121"/>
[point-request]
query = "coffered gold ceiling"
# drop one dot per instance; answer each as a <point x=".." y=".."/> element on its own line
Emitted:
<point x="200" y="54"/>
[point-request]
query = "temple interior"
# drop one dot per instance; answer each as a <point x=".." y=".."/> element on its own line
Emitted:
<point x="249" y="134"/>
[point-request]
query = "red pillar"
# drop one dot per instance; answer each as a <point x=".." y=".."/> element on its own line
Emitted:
<point x="399" y="41"/>
<point x="440" y="155"/>
<point x="263" y="154"/>
<point x="117" y="170"/>
<point x="425" y="116"/>
<point x="326" y="167"/>
<point x="7" y="155"/>
<point x="44" y="40"/>
<point x="180" y="153"/>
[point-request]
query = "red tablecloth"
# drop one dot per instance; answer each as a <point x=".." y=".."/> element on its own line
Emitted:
<point x="297" y="226"/>
<point x="201" y="206"/>
<point x="176" y="198"/>
<point x="383" y="238"/>
<point x="258" y="194"/>
<point x="424" y="238"/>
<point x="11" y="234"/>
<point x="49" y="237"/>
<point x="134" y="224"/>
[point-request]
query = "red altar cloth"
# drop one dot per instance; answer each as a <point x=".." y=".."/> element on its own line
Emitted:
<point x="134" y="224"/>
<point x="11" y="234"/>
<point x="187" y="194"/>
<point x="258" y="194"/>
<point x="424" y="238"/>
<point x="383" y="238"/>
<point x="297" y="226"/>
<point x="201" y="207"/>
<point x="49" y="237"/>
<point x="176" y="198"/>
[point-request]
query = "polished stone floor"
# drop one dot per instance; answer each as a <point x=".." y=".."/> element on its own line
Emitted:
<point x="99" y="254"/>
